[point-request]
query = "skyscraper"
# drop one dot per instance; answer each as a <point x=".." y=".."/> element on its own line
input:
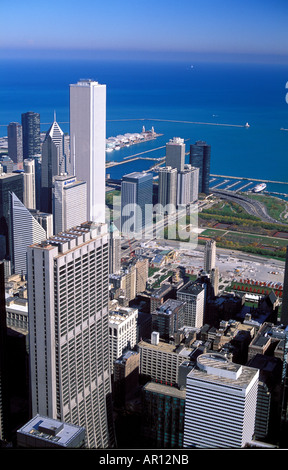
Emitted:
<point x="9" y="182"/>
<point x="88" y="142"/>
<point x="136" y="202"/>
<point x="69" y="202"/>
<point x="15" y="143"/>
<point x="53" y="164"/>
<point x="221" y="399"/>
<point x="29" y="197"/>
<point x="175" y="153"/>
<point x="167" y="189"/>
<point x="209" y="255"/>
<point x="194" y="294"/>
<point x="114" y="249"/>
<point x="68" y="327"/>
<point x="25" y="231"/>
<point x="200" y="154"/>
<point x="31" y="134"/>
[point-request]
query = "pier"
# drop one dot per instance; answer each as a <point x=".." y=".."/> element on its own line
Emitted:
<point x="250" y="179"/>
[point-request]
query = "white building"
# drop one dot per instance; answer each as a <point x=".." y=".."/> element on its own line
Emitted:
<point x="26" y="231"/>
<point x="220" y="408"/>
<point x="122" y="332"/>
<point x="175" y="153"/>
<point x="167" y="189"/>
<point x="29" y="196"/>
<point x="69" y="202"/>
<point x="193" y="293"/>
<point x="88" y="142"/>
<point x="68" y="329"/>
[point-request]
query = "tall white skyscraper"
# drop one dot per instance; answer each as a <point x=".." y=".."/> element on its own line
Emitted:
<point x="29" y="196"/>
<point x="175" y="153"/>
<point x="220" y="408"/>
<point x="69" y="202"/>
<point x="25" y="230"/>
<point x="88" y="142"/>
<point x="68" y="330"/>
<point x="167" y="189"/>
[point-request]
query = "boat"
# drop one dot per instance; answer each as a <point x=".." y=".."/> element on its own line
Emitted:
<point x="259" y="187"/>
<point x="247" y="125"/>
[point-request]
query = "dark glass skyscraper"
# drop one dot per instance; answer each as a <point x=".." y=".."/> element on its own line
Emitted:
<point x="15" y="142"/>
<point x="136" y="201"/>
<point x="200" y="154"/>
<point x="31" y="134"/>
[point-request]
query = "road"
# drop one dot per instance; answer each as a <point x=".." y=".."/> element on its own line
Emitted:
<point x="254" y="207"/>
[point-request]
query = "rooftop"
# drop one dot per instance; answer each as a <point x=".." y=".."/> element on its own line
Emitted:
<point x="51" y="430"/>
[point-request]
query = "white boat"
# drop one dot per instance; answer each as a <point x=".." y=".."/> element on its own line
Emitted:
<point x="259" y="187"/>
<point x="247" y="125"/>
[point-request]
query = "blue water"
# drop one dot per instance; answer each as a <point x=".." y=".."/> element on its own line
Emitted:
<point x="140" y="92"/>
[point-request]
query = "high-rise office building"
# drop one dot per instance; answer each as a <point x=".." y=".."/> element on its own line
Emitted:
<point x="15" y="143"/>
<point x="175" y="153"/>
<point x="167" y="189"/>
<point x="29" y="197"/>
<point x="209" y="255"/>
<point x="25" y="231"/>
<point x="114" y="249"/>
<point x="68" y="291"/>
<point x="216" y="390"/>
<point x="200" y="155"/>
<point x="168" y="318"/>
<point x="88" y="142"/>
<point x="31" y="134"/>
<point x="69" y="202"/>
<point x="53" y="164"/>
<point x="194" y="295"/>
<point x="9" y="182"/>
<point x="136" y="202"/>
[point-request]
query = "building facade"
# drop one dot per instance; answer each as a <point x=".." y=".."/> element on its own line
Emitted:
<point x="25" y="231"/>
<point x="136" y="203"/>
<point x="68" y="328"/>
<point x="175" y="153"/>
<point x="122" y="332"/>
<point x="167" y="189"/>
<point x="209" y="255"/>
<point x="221" y="399"/>
<point x="69" y="202"/>
<point x="31" y="134"/>
<point x="29" y="197"/>
<point x="15" y="143"/>
<point x="88" y="142"/>
<point x="53" y="164"/>
<point x="200" y="155"/>
<point x="194" y="295"/>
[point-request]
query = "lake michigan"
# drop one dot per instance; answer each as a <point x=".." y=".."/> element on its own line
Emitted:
<point x="180" y="99"/>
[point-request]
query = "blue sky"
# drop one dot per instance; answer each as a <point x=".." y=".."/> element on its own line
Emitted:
<point x="253" y="27"/>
